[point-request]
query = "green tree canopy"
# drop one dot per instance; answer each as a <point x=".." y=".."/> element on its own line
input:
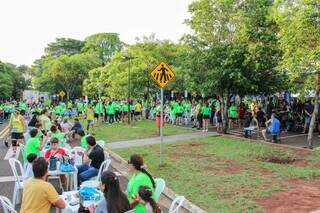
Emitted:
<point x="64" y="46"/>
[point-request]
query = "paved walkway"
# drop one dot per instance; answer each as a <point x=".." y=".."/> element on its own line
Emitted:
<point x="166" y="139"/>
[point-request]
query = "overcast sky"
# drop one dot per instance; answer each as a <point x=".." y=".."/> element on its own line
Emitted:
<point x="28" y="25"/>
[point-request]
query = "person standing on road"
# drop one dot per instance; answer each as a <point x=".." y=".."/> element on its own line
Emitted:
<point x="17" y="128"/>
<point x="308" y="110"/>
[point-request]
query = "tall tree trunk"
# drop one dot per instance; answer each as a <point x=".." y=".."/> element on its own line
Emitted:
<point x="315" y="112"/>
<point x="224" y="106"/>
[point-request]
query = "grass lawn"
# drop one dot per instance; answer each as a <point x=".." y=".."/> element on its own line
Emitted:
<point x="136" y="130"/>
<point x="227" y="175"/>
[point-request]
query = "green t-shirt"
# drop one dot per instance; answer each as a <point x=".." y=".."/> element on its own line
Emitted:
<point x="32" y="146"/>
<point x="179" y="109"/>
<point x="125" y="108"/>
<point x="233" y="112"/>
<point x="205" y="110"/>
<point x="60" y="136"/>
<point x="137" y="180"/>
<point x="187" y="107"/>
<point x="98" y="108"/>
<point x="110" y="109"/>
<point x="84" y="143"/>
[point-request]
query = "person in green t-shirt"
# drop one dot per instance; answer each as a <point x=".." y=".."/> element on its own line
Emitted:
<point x="33" y="145"/>
<point x="187" y="111"/>
<point x="110" y="109"/>
<point x="125" y="111"/>
<point x="83" y="141"/>
<point x="98" y="112"/>
<point x="233" y="115"/>
<point x="56" y="133"/>
<point x="179" y="112"/>
<point x="140" y="177"/>
<point x="205" y="116"/>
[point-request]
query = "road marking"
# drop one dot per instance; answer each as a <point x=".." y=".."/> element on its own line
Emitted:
<point x="12" y="154"/>
<point x="6" y="179"/>
<point x="4" y="130"/>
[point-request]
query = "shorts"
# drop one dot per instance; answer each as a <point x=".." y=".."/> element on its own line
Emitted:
<point x="124" y="113"/>
<point x="90" y="122"/>
<point x="219" y="119"/>
<point x="137" y="113"/>
<point x="233" y="119"/>
<point x="307" y="120"/>
<point x="96" y="115"/>
<point x="17" y="135"/>
<point x="206" y="116"/>
<point x="179" y="114"/>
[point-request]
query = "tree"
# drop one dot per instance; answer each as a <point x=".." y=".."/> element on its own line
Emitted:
<point x="66" y="73"/>
<point x="299" y="37"/>
<point x="12" y="81"/>
<point x="235" y="46"/>
<point x="103" y="45"/>
<point x="64" y="46"/>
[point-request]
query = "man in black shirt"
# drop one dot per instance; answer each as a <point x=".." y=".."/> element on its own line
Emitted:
<point x="91" y="162"/>
<point x="308" y="110"/>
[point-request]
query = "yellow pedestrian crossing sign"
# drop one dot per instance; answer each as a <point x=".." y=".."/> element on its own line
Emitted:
<point x="62" y="93"/>
<point x="162" y="74"/>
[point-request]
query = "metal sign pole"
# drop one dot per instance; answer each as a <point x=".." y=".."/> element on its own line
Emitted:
<point x="161" y="129"/>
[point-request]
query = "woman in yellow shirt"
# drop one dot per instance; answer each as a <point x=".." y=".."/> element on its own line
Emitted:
<point x="90" y="118"/>
<point x="17" y="128"/>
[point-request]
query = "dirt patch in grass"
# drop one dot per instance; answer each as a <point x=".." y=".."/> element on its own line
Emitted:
<point x="301" y="197"/>
<point x="231" y="168"/>
<point x="188" y="145"/>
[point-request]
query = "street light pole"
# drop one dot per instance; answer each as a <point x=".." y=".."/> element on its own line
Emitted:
<point x="129" y="92"/>
<point x="128" y="58"/>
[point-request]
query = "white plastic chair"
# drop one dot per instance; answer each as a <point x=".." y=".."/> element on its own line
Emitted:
<point x="7" y="205"/>
<point x="78" y="154"/>
<point x="94" y="182"/>
<point x="160" y="185"/>
<point x="24" y="157"/>
<point x="130" y="211"/>
<point x="176" y="204"/>
<point x="101" y="143"/>
<point x="18" y="186"/>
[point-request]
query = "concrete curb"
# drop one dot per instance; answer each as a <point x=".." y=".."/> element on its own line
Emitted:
<point x="267" y="143"/>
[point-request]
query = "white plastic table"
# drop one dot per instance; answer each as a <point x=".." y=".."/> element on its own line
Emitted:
<point x="74" y="208"/>
<point x="72" y="176"/>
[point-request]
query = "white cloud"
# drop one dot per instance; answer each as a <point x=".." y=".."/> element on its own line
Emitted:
<point x="28" y="25"/>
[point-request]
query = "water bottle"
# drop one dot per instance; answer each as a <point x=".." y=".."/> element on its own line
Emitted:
<point x="52" y="163"/>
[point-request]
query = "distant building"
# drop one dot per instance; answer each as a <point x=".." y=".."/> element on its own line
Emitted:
<point x="34" y="96"/>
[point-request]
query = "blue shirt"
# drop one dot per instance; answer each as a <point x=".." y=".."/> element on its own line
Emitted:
<point x="102" y="207"/>
<point x="275" y="126"/>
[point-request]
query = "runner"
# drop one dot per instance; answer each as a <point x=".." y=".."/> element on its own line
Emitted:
<point x="90" y="119"/>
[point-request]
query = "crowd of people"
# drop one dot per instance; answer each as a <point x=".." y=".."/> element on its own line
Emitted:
<point x="293" y="114"/>
<point x="40" y="128"/>
<point x="52" y="126"/>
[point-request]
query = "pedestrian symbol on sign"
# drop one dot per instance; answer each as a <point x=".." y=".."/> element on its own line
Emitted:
<point x="162" y="74"/>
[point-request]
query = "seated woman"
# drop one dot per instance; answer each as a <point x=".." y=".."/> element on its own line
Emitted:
<point x="250" y="124"/>
<point x="144" y="197"/>
<point x="57" y="152"/>
<point x="28" y="173"/>
<point x="114" y="199"/>
<point x="140" y="177"/>
<point x="54" y="151"/>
